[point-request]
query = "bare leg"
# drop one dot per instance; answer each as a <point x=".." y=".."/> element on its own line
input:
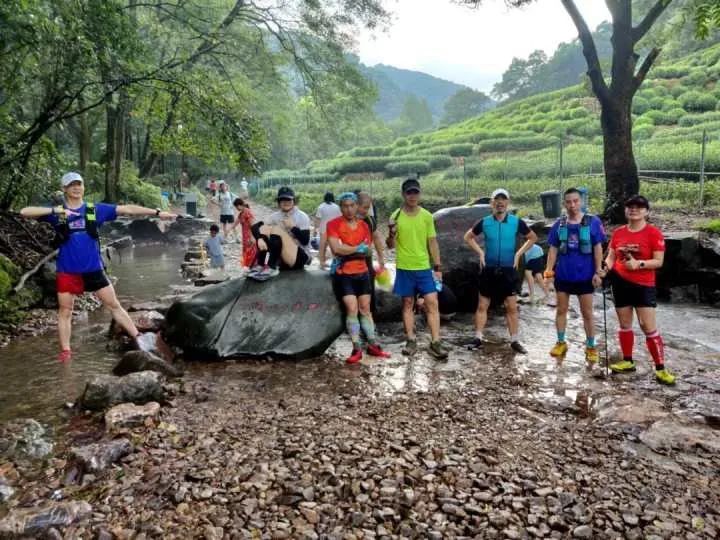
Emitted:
<point x="408" y="316"/>
<point x="586" y="308"/>
<point x="432" y="313"/>
<point x="531" y="288"/>
<point x="561" y="311"/>
<point x="647" y="320"/>
<point x="107" y="296"/>
<point x="512" y="316"/>
<point x="322" y="249"/>
<point x="288" y="253"/>
<point x="481" y="314"/>
<point x="544" y="284"/>
<point x="65" y="309"/>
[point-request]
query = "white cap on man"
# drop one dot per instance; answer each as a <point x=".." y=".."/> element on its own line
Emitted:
<point x="69" y="178"/>
<point x="500" y="191"/>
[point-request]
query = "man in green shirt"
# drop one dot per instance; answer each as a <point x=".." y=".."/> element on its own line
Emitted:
<point x="412" y="233"/>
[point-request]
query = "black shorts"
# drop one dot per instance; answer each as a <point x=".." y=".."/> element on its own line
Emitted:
<point x="301" y="260"/>
<point x="352" y="285"/>
<point x="576" y="288"/>
<point x="628" y="294"/>
<point x="536" y="265"/>
<point x="227" y="218"/>
<point x="498" y="283"/>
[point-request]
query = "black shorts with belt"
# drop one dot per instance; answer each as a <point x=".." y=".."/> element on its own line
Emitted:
<point x="498" y="282"/>
<point x="629" y="294"/>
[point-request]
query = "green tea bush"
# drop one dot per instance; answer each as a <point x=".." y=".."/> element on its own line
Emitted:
<point x="517" y="143"/>
<point x="677" y="90"/>
<point x="695" y="119"/>
<point x="643" y="131"/>
<point x="400" y="142"/>
<point x="640" y="105"/>
<point x="364" y="164"/>
<point x="665" y="118"/>
<point x="403" y="168"/>
<point x="370" y="151"/>
<point x="670" y="72"/>
<point x="440" y="162"/>
<point x="696" y="77"/>
<point x="698" y="101"/>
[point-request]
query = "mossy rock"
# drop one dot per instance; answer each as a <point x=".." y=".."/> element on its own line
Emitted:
<point x="5" y="284"/>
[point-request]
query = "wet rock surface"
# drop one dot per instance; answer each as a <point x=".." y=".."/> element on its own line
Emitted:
<point x="24" y="522"/>
<point x="107" y="390"/>
<point x="128" y="415"/>
<point x="24" y="438"/>
<point x="99" y="456"/>
<point x="134" y="361"/>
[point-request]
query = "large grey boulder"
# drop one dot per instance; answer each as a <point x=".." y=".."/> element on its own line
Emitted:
<point x="104" y="391"/>
<point x="460" y="264"/>
<point x="294" y="315"/>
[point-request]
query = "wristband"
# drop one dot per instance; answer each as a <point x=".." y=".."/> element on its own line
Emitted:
<point x="548" y="274"/>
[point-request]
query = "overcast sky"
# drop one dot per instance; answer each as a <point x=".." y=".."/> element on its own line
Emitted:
<point x="471" y="46"/>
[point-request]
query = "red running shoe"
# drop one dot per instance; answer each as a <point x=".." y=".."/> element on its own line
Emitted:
<point x="375" y="350"/>
<point x="65" y="355"/>
<point x="355" y="356"/>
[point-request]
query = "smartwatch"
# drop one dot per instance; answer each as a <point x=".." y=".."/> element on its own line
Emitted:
<point x="157" y="211"/>
<point x="642" y="264"/>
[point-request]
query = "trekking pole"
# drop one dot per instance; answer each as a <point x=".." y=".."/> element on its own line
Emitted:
<point x="607" y="363"/>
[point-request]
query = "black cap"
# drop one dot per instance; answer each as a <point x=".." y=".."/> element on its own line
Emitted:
<point x="638" y="200"/>
<point x="411" y="184"/>
<point x="286" y="192"/>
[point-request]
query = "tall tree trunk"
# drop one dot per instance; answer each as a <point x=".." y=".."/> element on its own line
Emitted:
<point x="115" y="143"/>
<point x="84" y="142"/>
<point x="621" y="174"/>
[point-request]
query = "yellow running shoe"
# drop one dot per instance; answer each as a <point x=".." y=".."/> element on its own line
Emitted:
<point x="663" y="376"/>
<point x="559" y="349"/>
<point x="592" y="355"/>
<point x="623" y="366"/>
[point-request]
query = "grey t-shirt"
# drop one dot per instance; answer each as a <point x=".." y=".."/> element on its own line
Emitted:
<point x="226" y="203"/>
<point x="301" y="219"/>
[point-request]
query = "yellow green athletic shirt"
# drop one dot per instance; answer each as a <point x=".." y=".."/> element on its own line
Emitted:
<point x="413" y="232"/>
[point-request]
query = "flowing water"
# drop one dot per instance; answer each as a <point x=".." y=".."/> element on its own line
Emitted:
<point x="34" y="384"/>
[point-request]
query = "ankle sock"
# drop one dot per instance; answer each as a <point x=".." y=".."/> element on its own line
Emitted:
<point x="590" y="341"/>
<point x="561" y="336"/>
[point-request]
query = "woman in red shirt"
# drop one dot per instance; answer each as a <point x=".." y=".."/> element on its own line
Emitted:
<point x="635" y="252"/>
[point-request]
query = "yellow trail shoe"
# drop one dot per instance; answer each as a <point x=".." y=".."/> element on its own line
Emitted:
<point x="592" y="355"/>
<point x="663" y="376"/>
<point x="559" y="349"/>
<point x="623" y="366"/>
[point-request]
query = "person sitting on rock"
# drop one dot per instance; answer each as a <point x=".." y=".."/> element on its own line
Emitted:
<point x="284" y="242"/>
<point x="214" y="248"/>
<point x="350" y="239"/>
<point x="79" y="263"/>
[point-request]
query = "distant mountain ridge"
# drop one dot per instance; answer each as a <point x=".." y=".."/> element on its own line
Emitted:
<point x="396" y="84"/>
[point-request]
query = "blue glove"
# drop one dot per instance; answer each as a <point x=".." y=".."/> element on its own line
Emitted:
<point x="362" y="249"/>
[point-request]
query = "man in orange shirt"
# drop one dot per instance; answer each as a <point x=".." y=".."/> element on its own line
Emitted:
<point x="350" y="241"/>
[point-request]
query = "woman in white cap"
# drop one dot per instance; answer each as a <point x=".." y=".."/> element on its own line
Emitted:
<point x="79" y="263"/>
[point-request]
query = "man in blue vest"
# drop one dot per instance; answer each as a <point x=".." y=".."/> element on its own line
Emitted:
<point x="79" y="263"/>
<point x="499" y="263"/>
<point x="574" y="261"/>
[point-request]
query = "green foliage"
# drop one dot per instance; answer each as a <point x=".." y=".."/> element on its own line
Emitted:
<point x="712" y="226"/>
<point x="698" y="101"/>
<point x="518" y="143"/>
<point x="465" y="103"/>
<point x="406" y="168"/>
<point x="362" y="165"/>
<point x="132" y="189"/>
<point x="439" y="162"/>
<point x="696" y="119"/>
<point x="370" y="151"/>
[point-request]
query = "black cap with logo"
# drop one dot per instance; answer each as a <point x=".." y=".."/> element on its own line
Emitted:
<point x="285" y="193"/>
<point x="411" y="184"/>
<point x="638" y="200"/>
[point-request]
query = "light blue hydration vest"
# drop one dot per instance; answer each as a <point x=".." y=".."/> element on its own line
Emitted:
<point x="585" y="241"/>
<point x="500" y="240"/>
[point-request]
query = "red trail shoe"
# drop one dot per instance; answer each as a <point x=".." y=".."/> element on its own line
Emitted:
<point x="376" y="350"/>
<point x="355" y="356"/>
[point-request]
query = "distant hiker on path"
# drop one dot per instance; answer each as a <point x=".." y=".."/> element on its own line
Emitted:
<point x="499" y="264"/>
<point x="411" y="230"/>
<point x="350" y="241"/>
<point x="79" y="263"/>
<point x="575" y="263"/>
<point x="635" y="253"/>
<point x="225" y="201"/>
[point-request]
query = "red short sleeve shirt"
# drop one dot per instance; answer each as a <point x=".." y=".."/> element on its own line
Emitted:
<point x="641" y="244"/>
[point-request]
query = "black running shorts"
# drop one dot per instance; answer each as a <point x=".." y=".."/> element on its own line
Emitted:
<point x="628" y="294"/>
<point x="352" y="285"/>
<point x="497" y="283"/>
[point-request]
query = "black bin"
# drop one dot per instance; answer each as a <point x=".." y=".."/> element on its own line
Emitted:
<point x="550" y="203"/>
